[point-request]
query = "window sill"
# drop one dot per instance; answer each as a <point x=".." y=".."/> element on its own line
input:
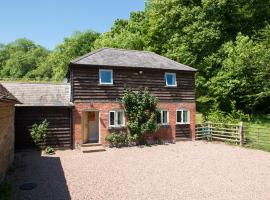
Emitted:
<point x="182" y="123"/>
<point x="104" y="84"/>
<point x="164" y="125"/>
<point x="116" y="127"/>
<point x="171" y="86"/>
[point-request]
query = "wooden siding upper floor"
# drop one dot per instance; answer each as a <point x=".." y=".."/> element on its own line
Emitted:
<point x="85" y="84"/>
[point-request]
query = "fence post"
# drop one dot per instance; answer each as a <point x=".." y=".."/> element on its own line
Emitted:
<point x="209" y="131"/>
<point x="241" y="133"/>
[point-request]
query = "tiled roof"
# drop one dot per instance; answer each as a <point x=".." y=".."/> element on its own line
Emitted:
<point x="6" y="96"/>
<point x="40" y="94"/>
<point x="129" y="58"/>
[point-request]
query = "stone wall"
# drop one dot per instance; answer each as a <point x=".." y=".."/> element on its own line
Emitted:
<point x="167" y="132"/>
<point x="6" y="137"/>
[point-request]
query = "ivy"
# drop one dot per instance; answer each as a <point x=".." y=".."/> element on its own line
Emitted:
<point x="141" y="109"/>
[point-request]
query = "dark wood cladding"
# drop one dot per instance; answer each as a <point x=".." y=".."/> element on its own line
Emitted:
<point x="59" y="134"/>
<point x="182" y="131"/>
<point x="85" y="84"/>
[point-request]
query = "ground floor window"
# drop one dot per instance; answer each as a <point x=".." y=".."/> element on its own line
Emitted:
<point x="182" y="116"/>
<point x="116" y="118"/>
<point x="163" y="117"/>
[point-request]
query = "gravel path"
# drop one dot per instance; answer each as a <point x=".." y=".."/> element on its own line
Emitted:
<point x="186" y="170"/>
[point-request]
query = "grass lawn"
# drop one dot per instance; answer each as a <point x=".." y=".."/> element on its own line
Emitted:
<point x="257" y="131"/>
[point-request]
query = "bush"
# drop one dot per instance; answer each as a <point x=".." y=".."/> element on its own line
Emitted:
<point x="39" y="131"/>
<point x="6" y="191"/>
<point x="49" y="150"/>
<point x="117" y="139"/>
<point x="141" y="110"/>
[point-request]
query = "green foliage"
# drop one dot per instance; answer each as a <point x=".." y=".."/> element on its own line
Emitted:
<point x="49" y="150"/>
<point x="39" y="131"/>
<point x="226" y="40"/>
<point x="117" y="139"/>
<point x="6" y="192"/>
<point x="141" y="109"/>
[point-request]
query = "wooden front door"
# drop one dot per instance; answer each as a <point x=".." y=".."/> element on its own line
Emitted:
<point x="93" y="126"/>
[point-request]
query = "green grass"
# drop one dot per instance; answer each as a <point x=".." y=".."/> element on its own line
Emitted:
<point x="6" y="191"/>
<point x="256" y="131"/>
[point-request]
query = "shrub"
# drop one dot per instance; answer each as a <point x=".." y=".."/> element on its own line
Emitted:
<point x="49" y="150"/>
<point x="39" y="131"/>
<point x="117" y="139"/>
<point x="141" y="109"/>
<point x="6" y="191"/>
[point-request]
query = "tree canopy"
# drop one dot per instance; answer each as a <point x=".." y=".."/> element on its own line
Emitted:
<point x="228" y="41"/>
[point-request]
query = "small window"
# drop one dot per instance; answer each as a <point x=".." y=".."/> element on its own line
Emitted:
<point x="116" y="118"/>
<point x="163" y="117"/>
<point x="105" y="76"/>
<point x="170" y="79"/>
<point x="182" y="116"/>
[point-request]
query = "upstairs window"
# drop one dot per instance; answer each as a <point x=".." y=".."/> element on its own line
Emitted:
<point x="105" y="77"/>
<point x="163" y="117"/>
<point x="116" y="118"/>
<point x="182" y="116"/>
<point x="170" y="79"/>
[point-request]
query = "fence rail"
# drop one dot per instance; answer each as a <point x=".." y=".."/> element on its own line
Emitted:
<point x="234" y="133"/>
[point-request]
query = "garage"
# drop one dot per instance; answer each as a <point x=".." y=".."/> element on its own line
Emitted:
<point x="42" y="101"/>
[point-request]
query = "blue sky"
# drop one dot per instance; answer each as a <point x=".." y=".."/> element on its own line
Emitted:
<point x="47" y="22"/>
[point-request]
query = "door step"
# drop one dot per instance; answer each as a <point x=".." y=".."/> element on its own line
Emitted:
<point x="92" y="147"/>
<point x="179" y="139"/>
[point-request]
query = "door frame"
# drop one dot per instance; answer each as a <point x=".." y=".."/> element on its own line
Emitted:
<point x="85" y="138"/>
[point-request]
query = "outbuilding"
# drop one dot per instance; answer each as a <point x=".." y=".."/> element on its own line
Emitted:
<point x="42" y="101"/>
<point x="7" y="102"/>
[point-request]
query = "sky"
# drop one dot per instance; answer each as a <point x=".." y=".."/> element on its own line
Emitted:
<point x="47" y="22"/>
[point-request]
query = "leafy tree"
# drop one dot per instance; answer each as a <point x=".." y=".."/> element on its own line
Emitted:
<point x="19" y="58"/>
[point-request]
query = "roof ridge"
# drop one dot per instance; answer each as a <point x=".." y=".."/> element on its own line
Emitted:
<point x="175" y="62"/>
<point x="88" y="54"/>
<point x="20" y="82"/>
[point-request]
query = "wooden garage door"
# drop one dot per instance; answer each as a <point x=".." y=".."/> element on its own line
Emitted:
<point x="59" y="119"/>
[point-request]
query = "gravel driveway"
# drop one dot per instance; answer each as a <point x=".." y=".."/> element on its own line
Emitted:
<point x="186" y="170"/>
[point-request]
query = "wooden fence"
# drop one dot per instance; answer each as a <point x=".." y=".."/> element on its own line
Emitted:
<point x="234" y="133"/>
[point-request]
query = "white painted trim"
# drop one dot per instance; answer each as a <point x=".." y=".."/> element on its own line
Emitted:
<point x="182" y="116"/>
<point x="169" y="73"/>
<point x="116" y="118"/>
<point x="99" y="130"/>
<point x="106" y="70"/>
<point x="161" y="117"/>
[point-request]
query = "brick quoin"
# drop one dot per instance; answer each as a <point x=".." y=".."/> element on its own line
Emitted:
<point x="167" y="132"/>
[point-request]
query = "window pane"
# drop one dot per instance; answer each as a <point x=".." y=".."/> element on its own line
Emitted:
<point x="185" y="116"/>
<point x="179" y="117"/>
<point x="111" y="118"/>
<point x="170" y="79"/>
<point x="159" y="118"/>
<point x="120" y="118"/>
<point x="106" y="76"/>
<point x="164" y="117"/>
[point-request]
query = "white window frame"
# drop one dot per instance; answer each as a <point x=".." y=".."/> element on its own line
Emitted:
<point x="116" y="118"/>
<point x="105" y="70"/>
<point x="161" y="117"/>
<point x="182" y="116"/>
<point x="169" y="73"/>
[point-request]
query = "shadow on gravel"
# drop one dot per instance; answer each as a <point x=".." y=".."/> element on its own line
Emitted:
<point x="36" y="176"/>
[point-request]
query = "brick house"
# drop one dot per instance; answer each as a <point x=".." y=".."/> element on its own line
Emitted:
<point x="97" y="82"/>
<point x="7" y="102"/>
<point x="88" y="107"/>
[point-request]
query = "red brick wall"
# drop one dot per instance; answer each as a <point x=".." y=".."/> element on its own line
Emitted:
<point x="165" y="132"/>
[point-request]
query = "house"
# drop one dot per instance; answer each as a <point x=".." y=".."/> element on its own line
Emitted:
<point x="42" y="101"/>
<point x="97" y="83"/>
<point x="88" y="108"/>
<point x="7" y="101"/>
